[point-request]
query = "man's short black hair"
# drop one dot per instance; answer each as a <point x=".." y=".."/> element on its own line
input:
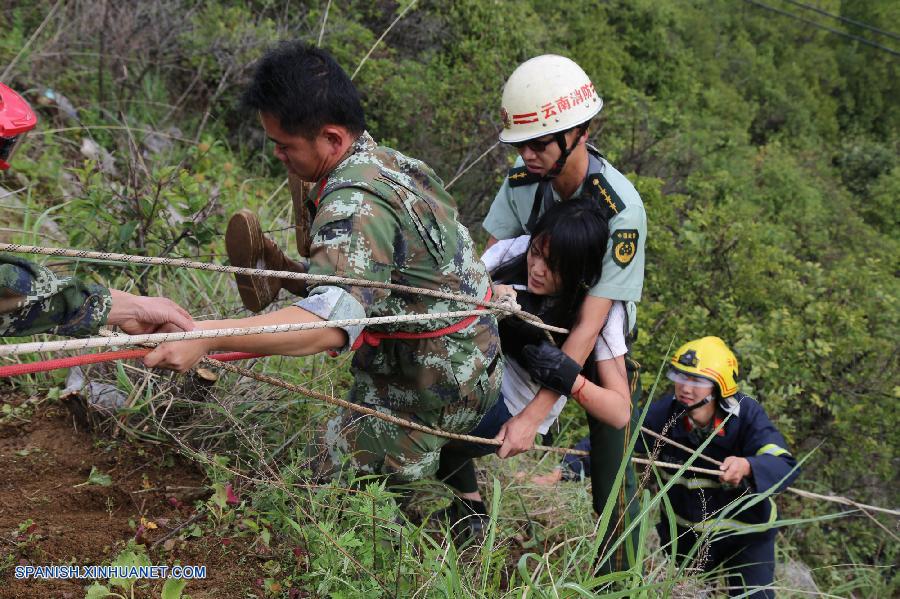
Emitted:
<point x="305" y="89"/>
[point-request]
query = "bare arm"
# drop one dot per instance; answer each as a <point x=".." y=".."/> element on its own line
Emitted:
<point x="609" y="403"/>
<point x="182" y="355"/>
<point x="591" y="318"/>
<point x="491" y="241"/>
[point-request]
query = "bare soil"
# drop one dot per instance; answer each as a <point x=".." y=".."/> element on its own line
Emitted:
<point x="45" y="519"/>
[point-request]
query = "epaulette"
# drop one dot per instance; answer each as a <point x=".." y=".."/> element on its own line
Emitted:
<point x="520" y="175"/>
<point x="610" y="202"/>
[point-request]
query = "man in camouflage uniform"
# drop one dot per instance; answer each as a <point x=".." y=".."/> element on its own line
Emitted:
<point x="547" y="106"/>
<point x="33" y="299"/>
<point x="382" y="216"/>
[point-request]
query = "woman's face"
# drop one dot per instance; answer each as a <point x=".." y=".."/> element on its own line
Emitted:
<point x="541" y="280"/>
<point x="693" y="390"/>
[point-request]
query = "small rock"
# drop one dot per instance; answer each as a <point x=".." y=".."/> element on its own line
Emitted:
<point x="101" y="396"/>
<point x="157" y="142"/>
<point x="94" y="151"/>
<point x="796" y="576"/>
<point x="53" y="98"/>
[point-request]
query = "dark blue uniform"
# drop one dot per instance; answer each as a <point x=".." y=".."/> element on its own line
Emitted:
<point x="740" y="525"/>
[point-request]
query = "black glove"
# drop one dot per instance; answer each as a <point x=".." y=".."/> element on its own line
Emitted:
<point x="551" y="367"/>
<point x="515" y="334"/>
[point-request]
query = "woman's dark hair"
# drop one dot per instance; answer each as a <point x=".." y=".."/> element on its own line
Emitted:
<point x="576" y="234"/>
<point x="305" y="89"/>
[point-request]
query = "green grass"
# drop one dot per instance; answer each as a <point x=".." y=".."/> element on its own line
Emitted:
<point x="353" y="537"/>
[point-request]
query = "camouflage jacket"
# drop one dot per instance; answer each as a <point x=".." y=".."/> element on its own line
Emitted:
<point x="383" y="216"/>
<point x="33" y="299"/>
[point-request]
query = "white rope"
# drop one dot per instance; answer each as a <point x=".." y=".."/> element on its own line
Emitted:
<point x="154" y="338"/>
<point x="281" y="274"/>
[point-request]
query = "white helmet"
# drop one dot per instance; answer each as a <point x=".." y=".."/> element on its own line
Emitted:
<point x="544" y="95"/>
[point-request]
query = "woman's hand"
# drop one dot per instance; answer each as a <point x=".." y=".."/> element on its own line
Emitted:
<point x="500" y="291"/>
<point x="517" y="434"/>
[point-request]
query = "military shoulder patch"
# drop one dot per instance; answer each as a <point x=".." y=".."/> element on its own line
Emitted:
<point x="625" y="245"/>
<point x="520" y="175"/>
<point x="610" y="201"/>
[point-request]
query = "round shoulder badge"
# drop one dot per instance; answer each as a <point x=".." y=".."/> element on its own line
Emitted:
<point x="625" y="244"/>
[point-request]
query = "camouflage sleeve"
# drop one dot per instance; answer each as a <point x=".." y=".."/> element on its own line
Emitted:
<point x="353" y="236"/>
<point x="34" y="300"/>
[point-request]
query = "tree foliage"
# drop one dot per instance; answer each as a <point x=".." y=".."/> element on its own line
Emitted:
<point x="765" y="151"/>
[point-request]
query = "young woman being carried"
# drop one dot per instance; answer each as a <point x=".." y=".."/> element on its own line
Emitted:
<point x="549" y="273"/>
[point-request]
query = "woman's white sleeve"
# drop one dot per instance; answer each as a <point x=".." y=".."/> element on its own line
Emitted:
<point x="611" y="341"/>
<point x="504" y="251"/>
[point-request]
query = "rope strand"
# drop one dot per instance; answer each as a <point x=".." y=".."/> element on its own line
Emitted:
<point x="469" y="438"/>
<point x="281" y="274"/>
<point x="493" y="306"/>
<point x="155" y="338"/>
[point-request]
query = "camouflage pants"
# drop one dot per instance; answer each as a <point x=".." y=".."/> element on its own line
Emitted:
<point x="369" y="445"/>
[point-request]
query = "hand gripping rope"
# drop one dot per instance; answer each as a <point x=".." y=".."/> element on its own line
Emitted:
<point x="281" y="274"/>
<point x="220" y="359"/>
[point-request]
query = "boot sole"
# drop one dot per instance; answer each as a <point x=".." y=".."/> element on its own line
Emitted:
<point x="244" y="245"/>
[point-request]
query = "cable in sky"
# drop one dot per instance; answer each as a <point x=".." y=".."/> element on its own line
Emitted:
<point x="820" y="26"/>
<point x="844" y="19"/>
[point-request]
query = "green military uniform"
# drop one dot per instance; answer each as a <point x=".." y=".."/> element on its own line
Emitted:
<point x="33" y="299"/>
<point x="623" y="262"/>
<point x="385" y="217"/>
<point x="517" y="203"/>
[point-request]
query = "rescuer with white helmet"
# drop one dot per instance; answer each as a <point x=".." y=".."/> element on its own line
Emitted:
<point x="546" y="110"/>
<point x="545" y="98"/>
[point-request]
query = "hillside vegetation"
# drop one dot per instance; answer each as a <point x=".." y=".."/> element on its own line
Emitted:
<point x="765" y="150"/>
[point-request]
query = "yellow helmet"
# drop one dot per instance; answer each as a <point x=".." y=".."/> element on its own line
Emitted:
<point x="708" y="358"/>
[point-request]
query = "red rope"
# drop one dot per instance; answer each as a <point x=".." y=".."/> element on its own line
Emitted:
<point x="125" y="354"/>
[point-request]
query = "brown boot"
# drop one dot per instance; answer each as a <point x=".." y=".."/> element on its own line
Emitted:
<point x="247" y="247"/>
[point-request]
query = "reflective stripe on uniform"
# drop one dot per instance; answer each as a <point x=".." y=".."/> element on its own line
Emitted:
<point x="692" y="483"/>
<point x="732" y="524"/>
<point x="772" y="449"/>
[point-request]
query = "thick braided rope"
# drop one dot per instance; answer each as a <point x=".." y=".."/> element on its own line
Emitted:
<point x="496" y="306"/>
<point x="156" y="338"/>
<point x="281" y="274"/>
<point x="558" y="450"/>
<point x="343" y="403"/>
<point x="800" y="492"/>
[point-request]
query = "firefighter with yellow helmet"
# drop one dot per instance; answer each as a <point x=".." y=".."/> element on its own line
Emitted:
<point x="724" y="512"/>
<point x="546" y="110"/>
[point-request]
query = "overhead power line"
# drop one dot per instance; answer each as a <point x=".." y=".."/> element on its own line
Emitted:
<point x="844" y="19"/>
<point x="861" y="40"/>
